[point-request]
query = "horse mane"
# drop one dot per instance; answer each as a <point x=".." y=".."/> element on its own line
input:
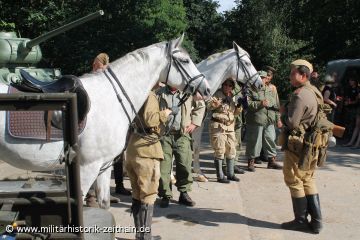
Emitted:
<point x="139" y="55"/>
<point x="215" y="56"/>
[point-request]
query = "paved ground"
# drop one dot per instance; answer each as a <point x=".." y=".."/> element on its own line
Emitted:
<point x="255" y="207"/>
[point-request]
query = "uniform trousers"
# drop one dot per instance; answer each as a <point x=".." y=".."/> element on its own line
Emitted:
<point x="260" y="137"/>
<point x="178" y="146"/>
<point x="300" y="182"/>
<point x="144" y="174"/>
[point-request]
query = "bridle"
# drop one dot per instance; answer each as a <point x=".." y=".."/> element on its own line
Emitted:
<point x="109" y="73"/>
<point x="178" y="65"/>
<point x="250" y="79"/>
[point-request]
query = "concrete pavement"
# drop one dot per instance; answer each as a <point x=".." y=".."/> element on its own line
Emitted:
<point x="255" y="207"/>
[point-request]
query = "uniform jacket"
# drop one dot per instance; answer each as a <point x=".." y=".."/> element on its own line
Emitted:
<point x="302" y="108"/>
<point x="191" y="111"/>
<point x="258" y="114"/>
<point x="151" y="117"/>
<point x="225" y="113"/>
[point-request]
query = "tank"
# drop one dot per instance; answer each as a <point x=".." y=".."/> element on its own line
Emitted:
<point x="24" y="53"/>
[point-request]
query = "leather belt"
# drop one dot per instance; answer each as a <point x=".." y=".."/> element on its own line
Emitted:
<point x="175" y="132"/>
<point x="144" y="131"/>
<point x="227" y="123"/>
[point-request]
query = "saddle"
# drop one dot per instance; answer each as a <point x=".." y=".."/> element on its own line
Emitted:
<point x="67" y="83"/>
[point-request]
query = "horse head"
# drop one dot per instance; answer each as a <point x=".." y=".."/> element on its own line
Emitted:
<point x="245" y="71"/>
<point x="182" y="73"/>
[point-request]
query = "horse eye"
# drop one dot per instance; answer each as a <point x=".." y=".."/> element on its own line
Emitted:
<point x="184" y="60"/>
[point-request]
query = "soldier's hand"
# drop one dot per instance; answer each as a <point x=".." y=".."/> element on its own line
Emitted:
<point x="265" y="103"/>
<point x="279" y="124"/>
<point x="167" y="112"/>
<point x="190" y="128"/>
<point x="216" y="103"/>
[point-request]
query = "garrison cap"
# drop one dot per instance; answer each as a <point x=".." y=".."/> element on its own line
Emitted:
<point x="103" y="58"/>
<point x="302" y="62"/>
<point x="270" y="68"/>
<point x="262" y="73"/>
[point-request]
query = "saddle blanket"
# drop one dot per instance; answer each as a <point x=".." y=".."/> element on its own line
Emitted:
<point x="31" y="124"/>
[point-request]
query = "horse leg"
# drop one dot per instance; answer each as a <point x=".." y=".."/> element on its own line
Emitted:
<point x="102" y="188"/>
<point x="88" y="175"/>
<point x="196" y="149"/>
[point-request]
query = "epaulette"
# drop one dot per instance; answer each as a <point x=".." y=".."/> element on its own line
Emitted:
<point x="298" y="90"/>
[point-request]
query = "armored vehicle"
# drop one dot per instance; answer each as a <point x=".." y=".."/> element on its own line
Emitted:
<point x="23" y="53"/>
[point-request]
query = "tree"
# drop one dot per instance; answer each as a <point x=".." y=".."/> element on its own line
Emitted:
<point x="260" y="28"/>
<point x="206" y="27"/>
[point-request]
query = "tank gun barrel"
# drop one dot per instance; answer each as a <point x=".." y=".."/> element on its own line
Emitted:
<point x="46" y="36"/>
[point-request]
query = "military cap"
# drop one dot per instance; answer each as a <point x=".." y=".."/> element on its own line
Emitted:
<point x="231" y="80"/>
<point x="262" y="73"/>
<point x="103" y="58"/>
<point x="302" y="62"/>
<point x="270" y="68"/>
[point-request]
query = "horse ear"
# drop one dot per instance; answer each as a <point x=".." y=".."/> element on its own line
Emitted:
<point x="236" y="47"/>
<point x="179" y="41"/>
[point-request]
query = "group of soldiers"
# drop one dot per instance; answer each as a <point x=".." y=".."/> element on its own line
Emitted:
<point x="163" y="133"/>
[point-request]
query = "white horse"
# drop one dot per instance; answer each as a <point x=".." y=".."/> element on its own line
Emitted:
<point x="233" y="63"/>
<point x="104" y="136"/>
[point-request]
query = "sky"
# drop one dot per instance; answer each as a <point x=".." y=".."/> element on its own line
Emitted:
<point x="226" y="5"/>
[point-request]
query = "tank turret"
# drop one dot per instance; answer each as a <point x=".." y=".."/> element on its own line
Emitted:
<point x="17" y="53"/>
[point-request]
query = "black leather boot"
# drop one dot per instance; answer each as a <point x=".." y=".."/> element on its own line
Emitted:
<point x="219" y="172"/>
<point x="251" y="165"/>
<point x="119" y="178"/>
<point x="146" y="214"/>
<point x="300" y="222"/>
<point x="230" y="170"/>
<point x="186" y="200"/>
<point x="272" y="164"/>
<point x="135" y="211"/>
<point x="238" y="170"/>
<point x="313" y="206"/>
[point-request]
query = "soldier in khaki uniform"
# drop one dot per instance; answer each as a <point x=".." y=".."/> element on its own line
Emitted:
<point x="300" y="113"/>
<point x="222" y="136"/>
<point x="177" y="143"/>
<point x="143" y="157"/>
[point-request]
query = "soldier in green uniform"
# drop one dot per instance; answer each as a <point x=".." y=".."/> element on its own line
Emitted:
<point x="222" y="136"/>
<point x="260" y="118"/>
<point x="143" y="157"/>
<point x="177" y="143"/>
<point x="299" y="115"/>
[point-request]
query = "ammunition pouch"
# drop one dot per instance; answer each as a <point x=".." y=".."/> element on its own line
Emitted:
<point x="295" y="144"/>
<point x="314" y="149"/>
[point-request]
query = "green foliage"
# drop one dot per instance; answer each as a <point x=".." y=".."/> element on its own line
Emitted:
<point x="274" y="32"/>
<point x="7" y="27"/>
<point x="206" y="27"/>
